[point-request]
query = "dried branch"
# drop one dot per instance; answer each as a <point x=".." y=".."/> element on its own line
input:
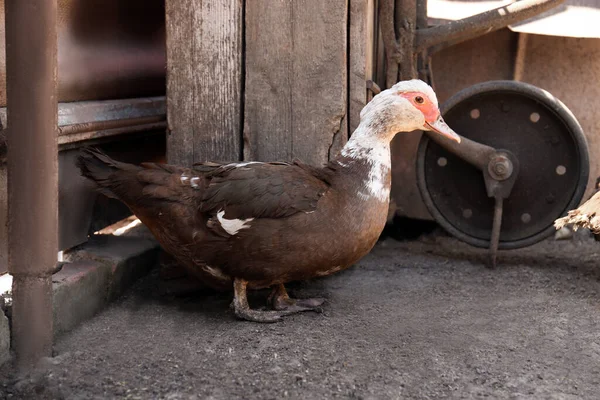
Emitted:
<point x="586" y="216"/>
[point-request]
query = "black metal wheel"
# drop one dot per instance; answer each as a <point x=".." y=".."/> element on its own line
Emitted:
<point x="546" y="139"/>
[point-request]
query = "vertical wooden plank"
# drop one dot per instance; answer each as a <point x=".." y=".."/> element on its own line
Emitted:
<point x="380" y="64"/>
<point x="268" y="91"/>
<point x="296" y="79"/>
<point x="320" y="84"/>
<point x="204" y="80"/>
<point x="361" y="43"/>
<point x="180" y="99"/>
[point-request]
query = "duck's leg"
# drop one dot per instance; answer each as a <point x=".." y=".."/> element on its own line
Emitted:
<point x="280" y="300"/>
<point x="242" y="308"/>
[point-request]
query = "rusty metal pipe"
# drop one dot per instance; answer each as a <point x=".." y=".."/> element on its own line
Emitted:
<point x="476" y="154"/>
<point x="32" y="162"/>
<point x="479" y="24"/>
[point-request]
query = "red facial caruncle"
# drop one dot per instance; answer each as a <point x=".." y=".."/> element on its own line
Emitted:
<point x="433" y="119"/>
<point x="423" y="104"/>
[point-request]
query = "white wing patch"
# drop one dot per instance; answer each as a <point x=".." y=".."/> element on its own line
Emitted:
<point x="233" y="226"/>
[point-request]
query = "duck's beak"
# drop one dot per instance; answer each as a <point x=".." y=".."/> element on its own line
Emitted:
<point x="439" y="126"/>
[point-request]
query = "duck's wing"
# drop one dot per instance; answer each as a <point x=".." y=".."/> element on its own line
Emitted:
<point x="257" y="190"/>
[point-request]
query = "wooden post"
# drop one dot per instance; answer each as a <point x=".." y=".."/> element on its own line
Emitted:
<point x="204" y="80"/>
<point x="204" y="86"/>
<point x="296" y="79"/>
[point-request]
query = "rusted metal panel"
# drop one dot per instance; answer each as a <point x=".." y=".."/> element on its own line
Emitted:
<point x="106" y="49"/>
<point x="296" y="79"/>
<point x="31" y="44"/>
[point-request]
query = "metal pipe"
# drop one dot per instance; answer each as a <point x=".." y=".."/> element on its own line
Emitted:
<point x="32" y="161"/>
<point x="479" y="24"/>
<point x="476" y="154"/>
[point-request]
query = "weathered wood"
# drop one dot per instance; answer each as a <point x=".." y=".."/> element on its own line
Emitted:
<point x="204" y="80"/>
<point x="296" y="79"/>
<point x="586" y="216"/>
<point x="380" y="55"/>
<point x="360" y="61"/>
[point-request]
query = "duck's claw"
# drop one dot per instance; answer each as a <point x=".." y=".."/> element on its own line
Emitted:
<point x="260" y="316"/>
<point x="281" y="301"/>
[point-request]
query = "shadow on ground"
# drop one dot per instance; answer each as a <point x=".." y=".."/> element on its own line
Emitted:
<point x="415" y="319"/>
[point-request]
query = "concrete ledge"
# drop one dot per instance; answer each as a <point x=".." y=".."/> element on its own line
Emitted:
<point x="94" y="274"/>
<point x="80" y="291"/>
<point x="127" y="258"/>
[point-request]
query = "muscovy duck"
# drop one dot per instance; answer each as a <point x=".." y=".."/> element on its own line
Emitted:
<point x="253" y="225"/>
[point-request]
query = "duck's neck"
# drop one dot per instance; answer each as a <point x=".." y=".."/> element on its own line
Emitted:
<point x="367" y="156"/>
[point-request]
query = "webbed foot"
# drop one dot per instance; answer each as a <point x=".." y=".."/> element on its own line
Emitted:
<point x="280" y="300"/>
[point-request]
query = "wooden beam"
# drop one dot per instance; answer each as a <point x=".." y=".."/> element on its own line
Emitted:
<point x="204" y="80"/>
<point x="296" y="79"/>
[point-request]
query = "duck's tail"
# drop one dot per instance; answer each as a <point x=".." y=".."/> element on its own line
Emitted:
<point x="105" y="172"/>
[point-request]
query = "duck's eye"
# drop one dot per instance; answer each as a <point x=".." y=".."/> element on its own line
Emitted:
<point x="419" y="100"/>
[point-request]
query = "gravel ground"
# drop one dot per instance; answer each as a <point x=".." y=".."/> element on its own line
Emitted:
<point x="422" y="319"/>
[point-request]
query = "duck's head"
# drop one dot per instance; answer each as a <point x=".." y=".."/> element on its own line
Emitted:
<point x="405" y="107"/>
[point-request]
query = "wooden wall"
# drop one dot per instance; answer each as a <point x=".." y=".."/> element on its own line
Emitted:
<point x="296" y="79"/>
<point x="204" y="80"/>
<point x="265" y="79"/>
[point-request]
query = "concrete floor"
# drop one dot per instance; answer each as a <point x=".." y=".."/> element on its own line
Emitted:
<point x="414" y="320"/>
